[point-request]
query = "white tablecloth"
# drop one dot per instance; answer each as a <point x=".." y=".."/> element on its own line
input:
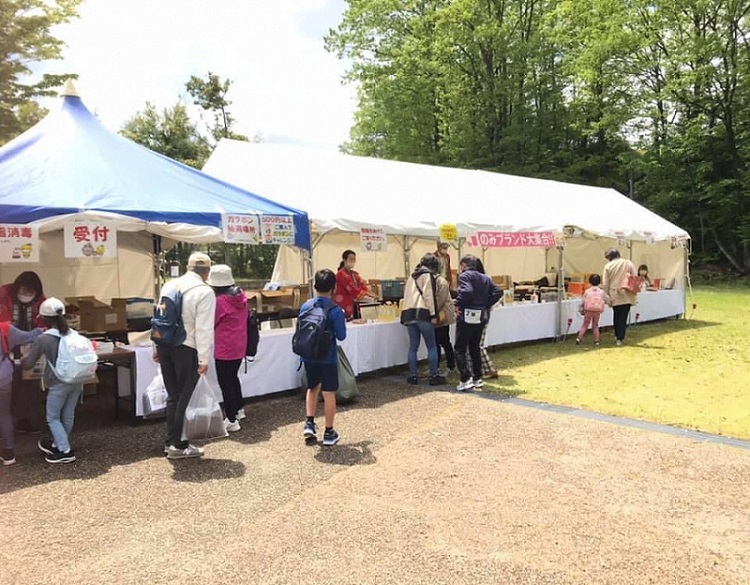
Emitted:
<point x="374" y="346"/>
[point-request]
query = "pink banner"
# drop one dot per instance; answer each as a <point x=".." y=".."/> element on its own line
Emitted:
<point x="513" y="240"/>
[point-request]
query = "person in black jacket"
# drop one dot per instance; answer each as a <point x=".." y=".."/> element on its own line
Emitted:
<point x="476" y="296"/>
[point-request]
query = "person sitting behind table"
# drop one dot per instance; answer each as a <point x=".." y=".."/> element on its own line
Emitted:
<point x="20" y="301"/>
<point x="643" y="273"/>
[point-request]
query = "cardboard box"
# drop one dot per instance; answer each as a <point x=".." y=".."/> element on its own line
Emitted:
<point x="504" y="281"/>
<point x="98" y="316"/>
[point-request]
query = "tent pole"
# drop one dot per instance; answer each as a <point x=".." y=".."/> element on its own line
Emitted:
<point x="560" y="291"/>
<point x="157" y="260"/>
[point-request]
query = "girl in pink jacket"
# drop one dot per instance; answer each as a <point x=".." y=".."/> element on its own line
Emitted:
<point x="230" y="340"/>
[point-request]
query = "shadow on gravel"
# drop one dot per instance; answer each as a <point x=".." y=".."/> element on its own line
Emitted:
<point x="347" y="454"/>
<point x="205" y="469"/>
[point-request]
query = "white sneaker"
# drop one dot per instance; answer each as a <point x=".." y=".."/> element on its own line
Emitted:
<point x="232" y="427"/>
<point x="618" y="343"/>
<point x="241" y="414"/>
<point x="478" y="384"/>
<point x="464" y="386"/>
<point x="187" y="453"/>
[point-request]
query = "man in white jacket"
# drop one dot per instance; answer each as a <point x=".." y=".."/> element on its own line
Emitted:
<point x="182" y="365"/>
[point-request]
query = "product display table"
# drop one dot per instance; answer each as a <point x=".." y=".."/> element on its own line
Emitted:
<point x="373" y="346"/>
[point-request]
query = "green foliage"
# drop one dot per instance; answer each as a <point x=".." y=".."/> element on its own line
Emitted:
<point x="25" y="38"/>
<point x="170" y="132"/>
<point x="211" y="95"/>
<point x="648" y="94"/>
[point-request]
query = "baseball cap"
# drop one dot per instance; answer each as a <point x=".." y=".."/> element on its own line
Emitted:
<point x="52" y="307"/>
<point x="199" y="259"/>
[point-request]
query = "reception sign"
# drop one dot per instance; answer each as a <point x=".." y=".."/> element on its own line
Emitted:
<point x="19" y="243"/>
<point x="90" y="239"/>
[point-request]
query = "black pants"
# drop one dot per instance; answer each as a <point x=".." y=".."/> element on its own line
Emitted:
<point x="179" y="366"/>
<point x="469" y="336"/>
<point x="621" y="313"/>
<point x="443" y="339"/>
<point x="231" y="389"/>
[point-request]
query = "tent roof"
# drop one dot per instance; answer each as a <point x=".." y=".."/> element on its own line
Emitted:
<point x="69" y="163"/>
<point x="342" y="192"/>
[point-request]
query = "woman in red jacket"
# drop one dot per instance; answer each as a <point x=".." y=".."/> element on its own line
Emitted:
<point x="20" y="301"/>
<point x="350" y="288"/>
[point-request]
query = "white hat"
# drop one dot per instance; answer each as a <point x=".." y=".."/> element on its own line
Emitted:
<point x="199" y="259"/>
<point x="52" y="307"/>
<point x="220" y="275"/>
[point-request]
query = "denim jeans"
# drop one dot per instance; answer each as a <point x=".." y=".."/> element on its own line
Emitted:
<point x="62" y="400"/>
<point x="426" y="330"/>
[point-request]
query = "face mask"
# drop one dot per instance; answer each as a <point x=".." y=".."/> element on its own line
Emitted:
<point x="350" y="265"/>
<point x="643" y="273"/>
<point x="26" y="299"/>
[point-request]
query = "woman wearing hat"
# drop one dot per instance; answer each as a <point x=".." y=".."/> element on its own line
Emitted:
<point x="230" y="340"/>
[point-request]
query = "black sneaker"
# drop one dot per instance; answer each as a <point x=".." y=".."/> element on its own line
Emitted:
<point x="437" y="380"/>
<point x="60" y="457"/>
<point x="310" y="432"/>
<point x="330" y="438"/>
<point x="413" y="380"/>
<point x="7" y="457"/>
<point x="46" y="446"/>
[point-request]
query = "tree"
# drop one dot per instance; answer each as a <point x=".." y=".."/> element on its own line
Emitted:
<point x="25" y="37"/>
<point x="170" y="132"/>
<point x="211" y="95"/>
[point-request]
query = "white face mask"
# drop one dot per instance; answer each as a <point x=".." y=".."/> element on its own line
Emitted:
<point x="643" y="273"/>
<point x="26" y="299"/>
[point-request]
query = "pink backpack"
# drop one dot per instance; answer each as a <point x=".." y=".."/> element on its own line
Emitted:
<point x="594" y="301"/>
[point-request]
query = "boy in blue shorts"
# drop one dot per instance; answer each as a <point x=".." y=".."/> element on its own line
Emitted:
<point x="323" y="374"/>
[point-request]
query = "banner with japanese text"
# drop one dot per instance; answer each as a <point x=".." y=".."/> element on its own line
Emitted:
<point x="373" y="239"/>
<point x="90" y="239"/>
<point x="277" y="229"/>
<point x="513" y="240"/>
<point x="19" y="243"/>
<point x="240" y="229"/>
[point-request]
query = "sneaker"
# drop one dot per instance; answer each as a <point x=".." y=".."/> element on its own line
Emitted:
<point x="8" y="457"/>
<point x="464" y="386"/>
<point x="241" y="414"/>
<point x="310" y="432"/>
<point x="60" y="457"/>
<point x="330" y="438"/>
<point x="618" y="343"/>
<point x="413" y="380"/>
<point x="478" y="384"/>
<point x="596" y="343"/>
<point x="186" y="453"/>
<point x="447" y="372"/>
<point x="578" y="341"/>
<point x="231" y="427"/>
<point x="46" y="446"/>
<point x="437" y="380"/>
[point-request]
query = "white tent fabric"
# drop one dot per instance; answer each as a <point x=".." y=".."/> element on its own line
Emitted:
<point x="343" y="193"/>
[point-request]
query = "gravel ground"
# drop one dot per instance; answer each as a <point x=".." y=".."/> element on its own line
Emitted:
<point x="426" y="487"/>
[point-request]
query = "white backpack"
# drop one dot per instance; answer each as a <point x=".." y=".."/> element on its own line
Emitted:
<point x="76" y="358"/>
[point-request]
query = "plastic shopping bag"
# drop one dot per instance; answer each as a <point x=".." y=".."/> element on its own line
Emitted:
<point x="155" y="398"/>
<point x="348" y="390"/>
<point x="203" y="417"/>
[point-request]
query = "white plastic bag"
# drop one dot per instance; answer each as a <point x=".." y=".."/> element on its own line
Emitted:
<point x="155" y="398"/>
<point x="203" y="417"/>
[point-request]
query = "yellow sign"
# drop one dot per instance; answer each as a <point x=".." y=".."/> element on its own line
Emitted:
<point x="448" y="233"/>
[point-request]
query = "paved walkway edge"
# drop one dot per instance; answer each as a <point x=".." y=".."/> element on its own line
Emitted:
<point x="607" y="418"/>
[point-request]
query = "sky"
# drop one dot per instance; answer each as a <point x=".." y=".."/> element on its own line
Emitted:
<point x="287" y="87"/>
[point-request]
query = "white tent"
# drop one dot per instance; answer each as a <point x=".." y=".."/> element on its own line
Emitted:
<point x="343" y="193"/>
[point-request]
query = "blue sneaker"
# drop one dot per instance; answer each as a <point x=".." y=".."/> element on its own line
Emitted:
<point x="311" y="432"/>
<point x="330" y="438"/>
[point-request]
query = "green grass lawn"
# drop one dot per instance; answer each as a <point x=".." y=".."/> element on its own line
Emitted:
<point x="693" y="373"/>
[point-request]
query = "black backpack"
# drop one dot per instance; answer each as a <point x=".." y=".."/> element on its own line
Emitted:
<point x="253" y="333"/>
<point x="313" y="339"/>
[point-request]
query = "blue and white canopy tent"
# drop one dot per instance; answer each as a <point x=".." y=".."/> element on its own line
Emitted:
<point x="70" y="167"/>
